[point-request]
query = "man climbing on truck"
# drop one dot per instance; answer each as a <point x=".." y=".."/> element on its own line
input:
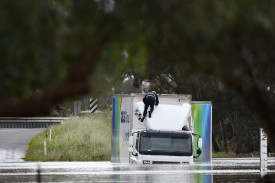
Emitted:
<point x="150" y="99"/>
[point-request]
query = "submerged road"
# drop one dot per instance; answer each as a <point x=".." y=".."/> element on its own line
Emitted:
<point x="219" y="170"/>
<point x="14" y="141"/>
<point x="13" y="145"/>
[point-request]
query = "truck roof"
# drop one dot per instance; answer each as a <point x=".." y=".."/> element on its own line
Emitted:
<point x="167" y="117"/>
<point x="166" y="133"/>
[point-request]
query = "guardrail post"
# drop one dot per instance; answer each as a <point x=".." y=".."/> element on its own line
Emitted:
<point x="93" y="105"/>
<point x="50" y="135"/>
<point x="45" y="148"/>
<point x="77" y="107"/>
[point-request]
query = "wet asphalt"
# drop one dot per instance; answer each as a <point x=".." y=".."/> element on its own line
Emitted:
<point x="14" y="141"/>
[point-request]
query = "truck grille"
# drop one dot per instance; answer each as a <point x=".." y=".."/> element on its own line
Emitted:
<point x="164" y="162"/>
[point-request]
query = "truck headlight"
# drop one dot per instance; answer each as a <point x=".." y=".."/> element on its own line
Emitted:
<point x="146" y="162"/>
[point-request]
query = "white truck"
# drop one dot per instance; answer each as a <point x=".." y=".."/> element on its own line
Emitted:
<point x="167" y="137"/>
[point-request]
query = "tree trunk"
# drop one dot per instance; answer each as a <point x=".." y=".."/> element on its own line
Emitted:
<point x="235" y="133"/>
<point x="223" y="132"/>
<point x="251" y="146"/>
<point x="215" y="146"/>
<point x="257" y="100"/>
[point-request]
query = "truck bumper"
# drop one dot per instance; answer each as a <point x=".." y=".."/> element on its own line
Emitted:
<point x="156" y="159"/>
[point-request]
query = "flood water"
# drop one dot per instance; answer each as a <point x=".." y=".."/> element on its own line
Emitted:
<point x="219" y="170"/>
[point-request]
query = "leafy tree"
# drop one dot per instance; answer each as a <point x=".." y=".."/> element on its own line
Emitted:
<point x="231" y="120"/>
<point x="231" y="40"/>
<point x="51" y="50"/>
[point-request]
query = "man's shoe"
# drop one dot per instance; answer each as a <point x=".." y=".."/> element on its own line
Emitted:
<point x="150" y="114"/>
<point x="142" y="119"/>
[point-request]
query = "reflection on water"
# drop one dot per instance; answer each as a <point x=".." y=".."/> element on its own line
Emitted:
<point x="219" y="170"/>
<point x="116" y="177"/>
<point x="163" y="173"/>
<point x="203" y="178"/>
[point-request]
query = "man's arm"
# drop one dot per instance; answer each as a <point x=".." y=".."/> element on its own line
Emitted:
<point x="144" y="99"/>
<point x="157" y="100"/>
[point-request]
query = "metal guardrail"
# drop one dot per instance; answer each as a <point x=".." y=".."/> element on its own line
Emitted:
<point x="30" y="122"/>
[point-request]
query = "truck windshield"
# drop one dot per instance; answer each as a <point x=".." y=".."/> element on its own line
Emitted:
<point x="166" y="144"/>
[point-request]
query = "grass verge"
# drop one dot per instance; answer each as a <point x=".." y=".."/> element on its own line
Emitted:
<point x="220" y="155"/>
<point x="234" y="155"/>
<point x="84" y="138"/>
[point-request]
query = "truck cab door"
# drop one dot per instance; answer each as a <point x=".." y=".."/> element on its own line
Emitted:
<point x="133" y="144"/>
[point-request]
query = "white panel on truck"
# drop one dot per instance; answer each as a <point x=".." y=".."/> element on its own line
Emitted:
<point x="169" y="99"/>
<point x="167" y="117"/>
<point x="124" y="130"/>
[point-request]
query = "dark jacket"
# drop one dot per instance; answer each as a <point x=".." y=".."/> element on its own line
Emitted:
<point x="152" y="97"/>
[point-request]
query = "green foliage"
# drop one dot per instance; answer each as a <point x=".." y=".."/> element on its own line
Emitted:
<point x="41" y="40"/>
<point x="86" y="138"/>
<point x="219" y="155"/>
<point x="228" y="106"/>
<point x="31" y="47"/>
<point x="203" y="47"/>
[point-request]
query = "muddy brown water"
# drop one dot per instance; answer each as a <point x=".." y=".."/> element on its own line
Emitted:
<point x="218" y="170"/>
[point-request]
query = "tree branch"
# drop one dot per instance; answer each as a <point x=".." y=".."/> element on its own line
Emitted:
<point x="76" y="83"/>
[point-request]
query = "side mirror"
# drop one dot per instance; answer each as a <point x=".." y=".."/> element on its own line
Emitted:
<point x="200" y="143"/>
<point x="198" y="151"/>
<point x="130" y="149"/>
<point x="131" y="141"/>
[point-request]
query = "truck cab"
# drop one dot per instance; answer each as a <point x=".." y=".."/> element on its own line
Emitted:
<point x="156" y="147"/>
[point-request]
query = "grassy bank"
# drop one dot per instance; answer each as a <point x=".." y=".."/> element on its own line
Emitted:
<point x="220" y="155"/>
<point x="234" y="155"/>
<point x="85" y="138"/>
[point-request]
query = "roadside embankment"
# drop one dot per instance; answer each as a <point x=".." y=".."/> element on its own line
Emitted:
<point x="235" y="155"/>
<point x="84" y="138"/>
